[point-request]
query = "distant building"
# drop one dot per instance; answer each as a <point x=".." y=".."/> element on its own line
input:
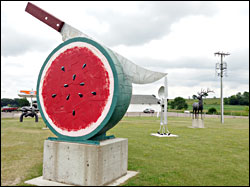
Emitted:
<point x="139" y="103"/>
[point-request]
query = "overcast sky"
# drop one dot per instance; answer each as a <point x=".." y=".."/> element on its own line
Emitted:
<point x="179" y="38"/>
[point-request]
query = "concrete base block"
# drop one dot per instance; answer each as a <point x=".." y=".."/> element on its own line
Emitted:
<point x="84" y="164"/>
<point x="39" y="181"/>
<point x="198" y="123"/>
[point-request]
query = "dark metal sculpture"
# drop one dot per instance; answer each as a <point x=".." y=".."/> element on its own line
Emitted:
<point x="29" y="111"/>
<point x="198" y="107"/>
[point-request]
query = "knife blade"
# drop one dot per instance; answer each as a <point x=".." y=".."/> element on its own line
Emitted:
<point x="135" y="73"/>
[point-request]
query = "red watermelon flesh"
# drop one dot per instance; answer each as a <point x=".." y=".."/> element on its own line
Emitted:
<point x="76" y="88"/>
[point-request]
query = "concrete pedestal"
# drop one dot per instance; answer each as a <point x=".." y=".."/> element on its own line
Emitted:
<point x="84" y="164"/>
<point x="198" y="123"/>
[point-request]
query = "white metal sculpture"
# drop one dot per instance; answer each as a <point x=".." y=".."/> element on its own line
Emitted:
<point x="136" y="74"/>
<point x="163" y="95"/>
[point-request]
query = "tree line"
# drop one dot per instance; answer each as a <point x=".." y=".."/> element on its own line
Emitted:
<point x="178" y="103"/>
<point x="16" y="102"/>
<point x="238" y="99"/>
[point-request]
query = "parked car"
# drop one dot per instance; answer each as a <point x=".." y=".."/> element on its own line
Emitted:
<point x="148" y="110"/>
<point x="9" y="109"/>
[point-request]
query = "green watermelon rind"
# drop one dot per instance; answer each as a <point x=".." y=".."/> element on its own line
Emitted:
<point x="124" y="96"/>
<point x="115" y="93"/>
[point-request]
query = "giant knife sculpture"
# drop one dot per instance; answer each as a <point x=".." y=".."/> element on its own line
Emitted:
<point x="84" y="88"/>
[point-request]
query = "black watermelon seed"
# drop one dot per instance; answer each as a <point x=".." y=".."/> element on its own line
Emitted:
<point x="84" y="65"/>
<point x="82" y="83"/>
<point x="74" y="76"/>
<point x="63" y="68"/>
<point x="80" y="94"/>
<point x="65" y="85"/>
<point x="67" y="98"/>
<point x="94" y="93"/>
<point x="73" y="112"/>
<point x="53" y="95"/>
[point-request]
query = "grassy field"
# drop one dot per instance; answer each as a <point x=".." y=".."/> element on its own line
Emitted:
<point x="209" y="101"/>
<point x="235" y="110"/>
<point x="217" y="155"/>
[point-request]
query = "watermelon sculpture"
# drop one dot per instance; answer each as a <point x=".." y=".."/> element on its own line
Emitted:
<point x="84" y="88"/>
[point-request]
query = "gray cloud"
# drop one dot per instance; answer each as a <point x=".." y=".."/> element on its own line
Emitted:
<point x="194" y="71"/>
<point x="190" y="78"/>
<point x="238" y="59"/>
<point x="16" y="43"/>
<point x="188" y="62"/>
<point x="153" y="22"/>
<point x="237" y="76"/>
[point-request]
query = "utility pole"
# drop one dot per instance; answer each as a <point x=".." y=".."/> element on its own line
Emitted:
<point x="221" y="68"/>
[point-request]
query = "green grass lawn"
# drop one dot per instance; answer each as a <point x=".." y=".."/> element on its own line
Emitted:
<point x="217" y="155"/>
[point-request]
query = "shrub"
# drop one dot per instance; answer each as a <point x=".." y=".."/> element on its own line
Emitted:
<point x="212" y="110"/>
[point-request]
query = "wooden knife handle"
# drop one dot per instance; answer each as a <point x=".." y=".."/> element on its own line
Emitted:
<point x="44" y="16"/>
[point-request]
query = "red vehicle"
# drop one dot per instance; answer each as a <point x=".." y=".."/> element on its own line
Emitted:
<point x="9" y="109"/>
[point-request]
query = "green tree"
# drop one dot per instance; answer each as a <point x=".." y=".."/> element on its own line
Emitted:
<point x="245" y="98"/>
<point x="226" y="101"/>
<point x="179" y="103"/>
<point x="239" y="99"/>
<point x="172" y="105"/>
<point x="16" y="102"/>
<point x="23" y="102"/>
<point x="246" y="94"/>
<point x="7" y="102"/>
<point x="233" y="100"/>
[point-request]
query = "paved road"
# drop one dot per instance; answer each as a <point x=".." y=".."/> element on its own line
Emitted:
<point x="17" y="115"/>
<point x="181" y="115"/>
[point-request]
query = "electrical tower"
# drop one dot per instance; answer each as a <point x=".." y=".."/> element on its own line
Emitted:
<point x="221" y="69"/>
